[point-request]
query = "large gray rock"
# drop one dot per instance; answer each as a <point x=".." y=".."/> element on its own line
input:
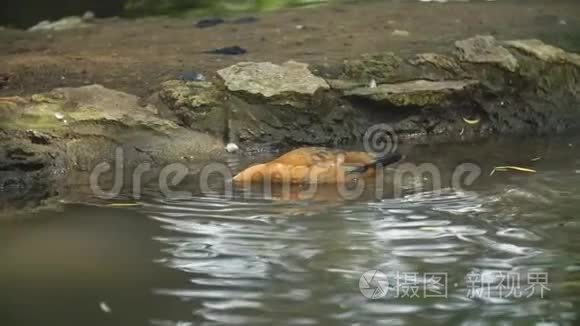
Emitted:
<point x="45" y="137"/>
<point x="65" y="23"/>
<point x="485" y="49"/>
<point x="198" y="105"/>
<point x="258" y="124"/>
<point x="77" y="115"/>
<point x="544" y="51"/>
<point x="288" y="83"/>
<point x="445" y="66"/>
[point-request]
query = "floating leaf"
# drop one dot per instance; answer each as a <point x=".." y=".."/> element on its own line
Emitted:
<point x="105" y="307"/>
<point x="512" y="168"/>
<point x="124" y="205"/>
<point x="471" y="122"/>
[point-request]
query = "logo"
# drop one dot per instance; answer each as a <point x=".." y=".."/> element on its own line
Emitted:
<point x="373" y="284"/>
<point x="381" y="139"/>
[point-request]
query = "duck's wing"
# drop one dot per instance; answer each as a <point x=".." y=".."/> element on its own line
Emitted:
<point x="359" y="158"/>
<point x="320" y="159"/>
<point x="309" y="156"/>
<point x="310" y="165"/>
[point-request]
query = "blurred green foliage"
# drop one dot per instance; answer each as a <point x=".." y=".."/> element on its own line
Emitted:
<point x="207" y="7"/>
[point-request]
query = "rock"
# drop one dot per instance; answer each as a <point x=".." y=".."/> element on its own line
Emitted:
<point x="343" y="85"/>
<point x="382" y="67"/>
<point x="485" y="49"/>
<point x="254" y="121"/>
<point x="271" y="81"/>
<point x="401" y="33"/>
<point x="65" y="23"/>
<point x="258" y="126"/>
<point x="197" y="105"/>
<point x="544" y="51"/>
<point x="4" y="79"/>
<point x="419" y="93"/>
<point x="232" y="148"/>
<point x="29" y="173"/>
<point x="209" y="22"/>
<point x="88" y="16"/>
<point x="439" y="61"/>
<point x="104" y="117"/>
<point x="192" y="94"/>
<point x="192" y="76"/>
<point x="229" y="50"/>
<point x="38" y="150"/>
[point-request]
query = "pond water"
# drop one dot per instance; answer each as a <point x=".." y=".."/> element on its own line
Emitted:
<point x="481" y="255"/>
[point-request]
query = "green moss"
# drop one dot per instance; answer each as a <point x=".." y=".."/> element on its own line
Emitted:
<point x="381" y="67"/>
<point x="421" y="99"/>
<point x="190" y="94"/>
<point x="42" y="118"/>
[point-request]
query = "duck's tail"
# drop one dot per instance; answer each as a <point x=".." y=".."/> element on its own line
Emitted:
<point x="382" y="161"/>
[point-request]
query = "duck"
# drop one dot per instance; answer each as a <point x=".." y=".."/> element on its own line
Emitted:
<point x="317" y="165"/>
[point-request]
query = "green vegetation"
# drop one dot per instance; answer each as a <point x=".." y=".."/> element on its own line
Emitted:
<point x="210" y="7"/>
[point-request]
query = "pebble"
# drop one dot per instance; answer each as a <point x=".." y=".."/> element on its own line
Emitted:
<point x="231" y="148"/>
<point x="59" y="115"/>
<point x="399" y="32"/>
<point x="209" y="22"/>
<point x="229" y="50"/>
<point x="71" y="22"/>
<point x="192" y="76"/>
<point x="88" y="16"/>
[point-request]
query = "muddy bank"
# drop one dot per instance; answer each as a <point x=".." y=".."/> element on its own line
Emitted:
<point x="484" y="86"/>
<point x="136" y="56"/>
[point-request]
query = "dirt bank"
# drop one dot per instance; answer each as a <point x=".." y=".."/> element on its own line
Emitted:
<point x="419" y="68"/>
<point x="135" y="56"/>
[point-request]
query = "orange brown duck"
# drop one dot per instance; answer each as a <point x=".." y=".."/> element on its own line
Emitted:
<point x="319" y="165"/>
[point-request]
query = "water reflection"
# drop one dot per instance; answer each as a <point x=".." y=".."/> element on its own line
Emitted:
<point x="278" y="263"/>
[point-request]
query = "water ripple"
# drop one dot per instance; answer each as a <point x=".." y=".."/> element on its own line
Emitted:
<point x="250" y="260"/>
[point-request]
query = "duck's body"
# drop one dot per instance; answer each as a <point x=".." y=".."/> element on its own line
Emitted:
<point x="316" y="165"/>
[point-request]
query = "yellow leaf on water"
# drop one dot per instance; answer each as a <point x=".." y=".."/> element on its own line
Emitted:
<point x="514" y="168"/>
<point x="471" y="122"/>
<point x="124" y="205"/>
